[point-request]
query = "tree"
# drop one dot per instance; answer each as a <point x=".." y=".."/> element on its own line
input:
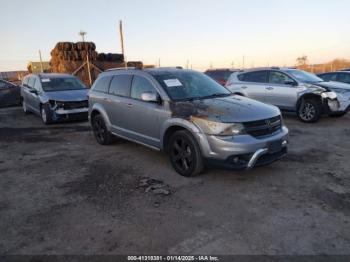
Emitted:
<point x="302" y="60"/>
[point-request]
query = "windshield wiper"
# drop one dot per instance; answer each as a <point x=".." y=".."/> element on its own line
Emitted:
<point x="215" y="95"/>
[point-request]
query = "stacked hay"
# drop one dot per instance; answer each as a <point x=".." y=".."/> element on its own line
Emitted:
<point x="67" y="57"/>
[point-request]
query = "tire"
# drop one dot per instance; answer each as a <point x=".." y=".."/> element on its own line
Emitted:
<point x="25" y="109"/>
<point x="101" y="133"/>
<point x="46" y="115"/>
<point x="185" y="154"/>
<point x="310" y="110"/>
<point x="338" y="114"/>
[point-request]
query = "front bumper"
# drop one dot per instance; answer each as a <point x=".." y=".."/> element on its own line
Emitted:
<point x="73" y="114"/>
<point x="244" y="151"/>
<point x="341" y="104"/>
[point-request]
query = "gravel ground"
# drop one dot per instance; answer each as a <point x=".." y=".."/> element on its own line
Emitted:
<point x="62" y="193"/>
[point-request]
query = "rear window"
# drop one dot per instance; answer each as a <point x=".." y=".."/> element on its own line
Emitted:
<point x="120" y="85"/>
<point x="256" y="77"/>
<point x="102" y="84"/>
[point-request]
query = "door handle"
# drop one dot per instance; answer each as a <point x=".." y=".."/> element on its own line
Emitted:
<point x="129" y="105"/>
<point x="244" y="87"/>
<point x="269" y="88"/>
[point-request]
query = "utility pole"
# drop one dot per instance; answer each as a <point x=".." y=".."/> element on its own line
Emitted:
<point x="158" y="62"/>
<point x="232" y="65"/>
<point x="243" y="62"/>
<point x="122" y="41"/>
<point x="187" y="63"/>
<point x="82" y="34"/>
<point x="41" y="62"/>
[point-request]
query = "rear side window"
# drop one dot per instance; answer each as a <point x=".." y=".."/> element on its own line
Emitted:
<point x="25" y="81"/>
<point x="120" y="85"/>
<point x="343" y="77"/>
<point x="329" y="77"/>
<point x="3" y="85"/>
<point x="256" y="77"/>
<point x="102" y="84"/>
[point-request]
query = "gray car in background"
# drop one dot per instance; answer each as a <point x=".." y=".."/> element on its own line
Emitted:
<point x="54" y="97"/>
<point x="292" y="90"/>
<point x="10" y="94"/>
<point x="188" y="115"/>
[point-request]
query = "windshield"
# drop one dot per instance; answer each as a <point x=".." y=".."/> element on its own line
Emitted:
<point x="61" y="84"/>
<point x="304" y="76"/>
<point x="188" y="85"/>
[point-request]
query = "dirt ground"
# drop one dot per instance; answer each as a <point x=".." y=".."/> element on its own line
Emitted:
<point x="62" y="193"/>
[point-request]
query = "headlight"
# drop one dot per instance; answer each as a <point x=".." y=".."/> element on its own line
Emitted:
<point x="56" y="103"/>
<point x="218" y="128"/>
<point x="330" y="95"/>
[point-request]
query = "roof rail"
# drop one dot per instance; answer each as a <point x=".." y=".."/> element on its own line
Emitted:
<point x="121" y="68"/>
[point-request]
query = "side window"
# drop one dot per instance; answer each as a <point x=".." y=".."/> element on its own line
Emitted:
<point x="256" y="77"/>
<point x="25" y="81"/>
<point x="31" y="82"/>
<point x="343" y="77"/>
<point x="102" y="84"/>
<point x="120" y="85"/>
<point x="3" y="85"/>
<point x="329" y="77"/>
<point x="141" y="85"/>
<point x="278" y="78"/>
<point x="37" y="85"/>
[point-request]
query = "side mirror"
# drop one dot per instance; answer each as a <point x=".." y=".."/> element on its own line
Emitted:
<point x="150" y="97"/>
<point x="33" y="91"/>
<point x="290" y="83"/>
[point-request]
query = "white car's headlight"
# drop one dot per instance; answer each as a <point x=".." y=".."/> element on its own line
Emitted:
<point x="218" y="128"/>
<point x="330" y="95"/>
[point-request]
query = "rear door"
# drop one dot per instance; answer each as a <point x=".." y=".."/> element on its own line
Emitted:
<point x="281" y="91"/>
<point x="118" y="103"/>
<point x="253" y="84"/>
<point x="31" y="97"/>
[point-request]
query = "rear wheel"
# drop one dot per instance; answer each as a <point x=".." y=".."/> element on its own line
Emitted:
<point x="184" y="153"/>
<point x="24" y="106"/>
<point x="310" y="110"/>
<point x="46" y="115"/>
<point x="102" y="135"/>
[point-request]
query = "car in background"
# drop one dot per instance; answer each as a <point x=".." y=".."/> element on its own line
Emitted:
<point x="10" y="94"/>
<point x="220" y="75"/>
<point x="293" y="90"/>
<point x="339" y="76"/>
<point x="54" y="97"/>
<point x="188" y="115"/>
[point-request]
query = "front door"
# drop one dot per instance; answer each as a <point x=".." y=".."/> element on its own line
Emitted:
<point x="281" y="91"/>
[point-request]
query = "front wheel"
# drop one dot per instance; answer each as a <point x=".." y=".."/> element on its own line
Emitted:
<point x="102" y="135"/>
<point x="310" y="111"/>
<point x="185" y="154"/>
<point x="46" y="115"/>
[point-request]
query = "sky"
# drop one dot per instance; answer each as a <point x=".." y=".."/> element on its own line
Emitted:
<point x="200" y="33"/>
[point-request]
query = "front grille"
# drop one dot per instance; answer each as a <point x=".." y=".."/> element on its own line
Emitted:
<point x="75" y="104"/>
<point x="264" y="127"/>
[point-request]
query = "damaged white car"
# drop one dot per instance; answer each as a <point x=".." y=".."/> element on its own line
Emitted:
<point x="293" y="90"/>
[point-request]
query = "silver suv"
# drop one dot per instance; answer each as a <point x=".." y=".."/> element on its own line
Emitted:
<point x="293" y="90"/>
<point x="188" y="115"/>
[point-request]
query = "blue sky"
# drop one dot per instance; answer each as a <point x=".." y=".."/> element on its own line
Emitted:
<point x="220" y="32"/>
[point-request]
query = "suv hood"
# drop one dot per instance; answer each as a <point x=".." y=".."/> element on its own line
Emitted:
<point x="333" y="85"/>
<point x="231" y="109"/>
<point x="69" y="95"/>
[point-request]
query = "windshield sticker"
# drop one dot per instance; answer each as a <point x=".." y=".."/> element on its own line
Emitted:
<point x="172" y="82"/>
<point x="45" y="80"/>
